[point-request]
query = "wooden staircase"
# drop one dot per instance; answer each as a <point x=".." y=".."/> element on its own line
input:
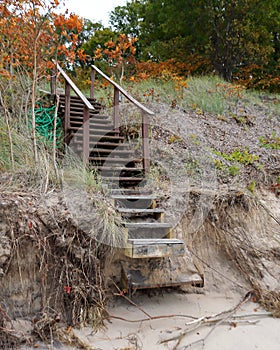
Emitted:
<point x="152" y="257"/>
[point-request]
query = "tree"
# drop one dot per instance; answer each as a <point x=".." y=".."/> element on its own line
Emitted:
<point x="232" y="34"/>
<point x="128" y="19"/>
<point x="97" y="40"/>
<point x="118" y="54"/>
<point x="239" y="34"/>
<point x="31" y="34"/>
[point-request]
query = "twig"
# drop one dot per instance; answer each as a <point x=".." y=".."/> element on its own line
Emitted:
<point x="218" y="319"/>
<point x="151" y="318"/>
<point x="269" y="213"/>
<point x="121" y="294"/>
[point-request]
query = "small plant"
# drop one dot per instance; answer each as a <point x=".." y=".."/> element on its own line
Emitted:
<point x="174" y="138"/>
<point x="233" y="170"/>
<point x="272" y="142"/>
<point x="251" y="186"/>
<point x="239" y="156"/>
<point x="192" y="167"/>
<point x="219" y="165"/>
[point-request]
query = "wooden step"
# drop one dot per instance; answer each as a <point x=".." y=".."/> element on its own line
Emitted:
<point x="172" y="271"/>
<point x="94" y="122"/>
<point x="114" y="152"/>
<point x="144" y="230"/>
<point x="124" y="180"/>
<point x="154" y="248"/>
<point x="76" y="100"/>
<point x="144" y="214"/>
<point x="95" y="117"/>
<point x="116" y="160"/>
<point x="78" y="109"/>
<point x="131" y="192"/>
<point x="139" y="211"/>
<point x="78" y="113"/>
<point x="101" y="145"/>
<point x="97" y="132"/>
<point x="123" y="171"/>
<point x="134" y="201"/>
<point x="99" y="138"/>
<point x="93" y="125"/>
<point x="111" y="145"/>
<point x="75" y="97"/>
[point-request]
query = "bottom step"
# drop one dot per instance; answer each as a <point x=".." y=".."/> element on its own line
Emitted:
<point x="158" y="273"/>
<point x="138" y="248"/>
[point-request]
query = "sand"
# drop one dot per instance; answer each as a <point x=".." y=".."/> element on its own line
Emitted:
<point x="258" y="332"/>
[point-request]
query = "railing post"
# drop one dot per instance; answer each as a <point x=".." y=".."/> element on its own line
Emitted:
<point x="53" y="81"/>
<point x="92" y="80"/>
<point x="67" y="107"/>
<point x="116" y="108"/>
<point x="86" y="135"/>
<point x="145" y="142"/>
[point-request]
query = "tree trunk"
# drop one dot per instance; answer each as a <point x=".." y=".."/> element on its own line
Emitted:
<point x="6" y="114"/>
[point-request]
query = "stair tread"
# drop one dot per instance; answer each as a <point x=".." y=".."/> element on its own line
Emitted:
<point x="105" y="131"/>
<point x="116" y="144"/>
<point x="114" y="151"/>
<point x="94" y="116"/>
<point x="109" y="168"/>
<point x="174" y="271"/>
<point x="108" y="144"/>
<point x="94" y="124"/>
<point x="147" y="225"/>
<point x="132" y="210"/>
<point x="121" y="178"/>
<point x="144" y="248"/>
<point x="147" y="241"/>
<point x="131" y="192"/>
<point x="109" y="159"/>
<point x="126" y="196"/>
<point x="100" y="137"/>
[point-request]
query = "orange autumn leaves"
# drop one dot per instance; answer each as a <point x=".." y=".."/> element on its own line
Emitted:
<point x="119" y="51"/>
<point x="32" y="28"/>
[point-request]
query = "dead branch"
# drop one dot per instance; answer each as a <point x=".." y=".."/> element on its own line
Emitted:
<point x="151" y="318"/>
<point x="217" y="319"/>
<point x="121" y="294"/>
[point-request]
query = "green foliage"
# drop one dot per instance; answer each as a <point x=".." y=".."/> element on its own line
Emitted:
<point x="236" y="159"/>
<point x="251" y="186"/>
<point x="240" y="37"/>
<point x="272" y="142"/>
<point x="97" y="40"/>
<point x="238" y="34"/>
<point x="233" y="170"/>
<point x="126" y="19"/>
<point x="239" y="156"/>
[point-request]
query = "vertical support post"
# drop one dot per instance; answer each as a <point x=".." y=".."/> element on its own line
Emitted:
<point x="53" y="81"/>
<point x="92" y="80"/>
<point x="145" y="142"/>
<point x="67" y="109"/>
<point x="86" y="135"/>
<point x="116" y="108"/>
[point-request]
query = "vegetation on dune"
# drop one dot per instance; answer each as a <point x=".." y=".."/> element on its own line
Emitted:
<point x="209" y="69"/>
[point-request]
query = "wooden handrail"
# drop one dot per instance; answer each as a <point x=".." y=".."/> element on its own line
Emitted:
<point x="77" y="91"/>
<point x="145" y="113"/>
<point x="123" y="91"/>
<point x="69" y="84"/>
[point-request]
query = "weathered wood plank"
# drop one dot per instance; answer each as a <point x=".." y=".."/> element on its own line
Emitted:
<point x="154" y="248"/>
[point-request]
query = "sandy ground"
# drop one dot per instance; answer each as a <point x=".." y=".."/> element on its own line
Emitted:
<point x="261" y="332"/>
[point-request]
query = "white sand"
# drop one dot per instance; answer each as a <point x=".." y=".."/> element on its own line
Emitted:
<point x="264" y="334"/>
